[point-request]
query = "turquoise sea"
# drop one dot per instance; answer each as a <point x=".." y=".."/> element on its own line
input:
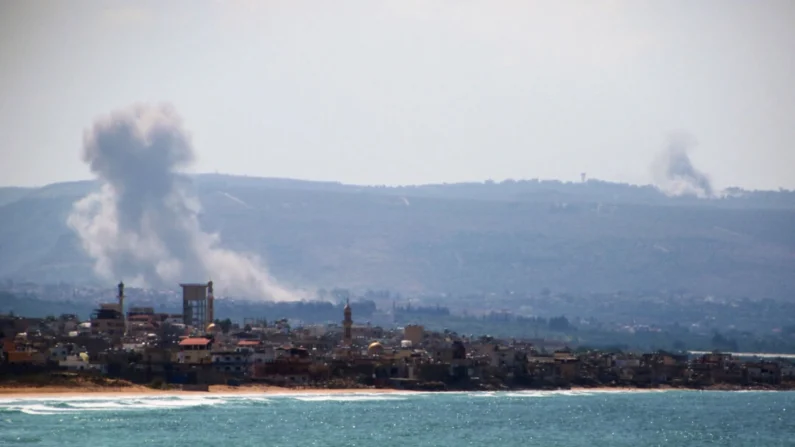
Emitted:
<point x="560" y="418"/>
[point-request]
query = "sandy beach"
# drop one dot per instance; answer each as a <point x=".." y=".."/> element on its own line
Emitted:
<point x="24" y="392"/>
<point x="136" y="390"/>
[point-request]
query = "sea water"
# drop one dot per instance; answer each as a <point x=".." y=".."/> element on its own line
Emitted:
<point x="563" y="418"/>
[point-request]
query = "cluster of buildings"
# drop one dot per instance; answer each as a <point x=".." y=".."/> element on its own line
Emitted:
<point x="195" y="349"/>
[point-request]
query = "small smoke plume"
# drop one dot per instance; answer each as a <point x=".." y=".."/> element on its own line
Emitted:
<point x="675" y="174"/>
<point x="143" y="224"/>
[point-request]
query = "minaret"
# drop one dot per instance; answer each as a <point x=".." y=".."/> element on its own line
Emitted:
<point x="121" y="305"/>
<point x="347" y="324"/>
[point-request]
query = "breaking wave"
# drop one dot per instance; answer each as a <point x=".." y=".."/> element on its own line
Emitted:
<point x="52" y="406"/>
<point x="44" y="406"/>
<point x="347" y="398"/>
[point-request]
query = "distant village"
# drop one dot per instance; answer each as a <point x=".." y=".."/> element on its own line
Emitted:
<point x="195" y="349"/>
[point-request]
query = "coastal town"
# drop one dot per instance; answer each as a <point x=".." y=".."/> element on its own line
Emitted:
<point x="195" y="350"/>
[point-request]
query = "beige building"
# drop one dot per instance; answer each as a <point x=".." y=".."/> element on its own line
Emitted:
<point x="414" y="333"/>
<point x="194" y="350"/>
<point x="108" y="320"/>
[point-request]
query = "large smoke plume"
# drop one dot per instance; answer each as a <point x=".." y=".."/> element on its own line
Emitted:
<point x="674" y="172"/>
<point x="142" y="225"/>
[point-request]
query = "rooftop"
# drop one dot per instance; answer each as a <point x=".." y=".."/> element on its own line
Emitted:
<point x="195" y="342"/>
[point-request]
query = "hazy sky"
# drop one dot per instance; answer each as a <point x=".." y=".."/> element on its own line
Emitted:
<point x="404" y="91"/>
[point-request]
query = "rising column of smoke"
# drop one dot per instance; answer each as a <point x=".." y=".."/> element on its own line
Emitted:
<point x="142" y="225"/>
<point x="674" y="172"/>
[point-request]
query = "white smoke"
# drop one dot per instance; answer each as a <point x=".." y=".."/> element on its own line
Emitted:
<point x="143" y="224"/>
<point x="674" y="172"/>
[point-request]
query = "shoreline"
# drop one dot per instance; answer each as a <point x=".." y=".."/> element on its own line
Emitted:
<point x="32" y="392"/>
<point x="24" y="392"/>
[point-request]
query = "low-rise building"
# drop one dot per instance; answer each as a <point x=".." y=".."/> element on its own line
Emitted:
<point x="107" y="320"/>
<point x="195" y="350"/>
<point x="232" y="362"/>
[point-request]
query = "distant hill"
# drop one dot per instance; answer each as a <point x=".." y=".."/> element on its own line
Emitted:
<point x="12" y="194"/>
<point x="458" y="238"/>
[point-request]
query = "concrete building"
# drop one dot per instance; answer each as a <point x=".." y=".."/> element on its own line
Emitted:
<point x="109" y="319"/>
<point x="174" y="319"/>
<point x="59" y="352"/>
<point x="414" y="333"/>
<point x="231" y="361"/>
<point x="135" y="311"/>
<point x="194" y="351"/>
<point x="198" y="304"/>
<point x="263" y="355"/>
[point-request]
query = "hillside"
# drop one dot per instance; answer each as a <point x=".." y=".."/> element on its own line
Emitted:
<point x="460" y="238"/>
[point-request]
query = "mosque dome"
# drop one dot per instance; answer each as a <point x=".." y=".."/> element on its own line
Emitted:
<point x="375" y="348"/>
<point x="211" y="328"/>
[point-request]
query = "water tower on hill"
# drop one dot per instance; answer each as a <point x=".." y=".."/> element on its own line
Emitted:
<point x="198" y="304"/>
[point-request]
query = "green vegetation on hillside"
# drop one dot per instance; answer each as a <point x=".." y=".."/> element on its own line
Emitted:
<point x="520" y="236"/>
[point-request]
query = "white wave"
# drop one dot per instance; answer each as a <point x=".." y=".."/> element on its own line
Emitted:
<point x="92" y="405"/>
<point x="83" y="398"/>
<point x="549" y="393"/>
<point x="39" y="408"/>
<point x="37" y="412"/>
<point x="594" y="391"/>
<point x="46" y="406"/>
<point x="527" y="394"/>
<point x="76" y="404"/>
<point x="572" y="393"/>
<point x="482" y="394"/>
<point x="254" y="399"/>
<point x="346" y="398"/>
<point x="178" y="403"/>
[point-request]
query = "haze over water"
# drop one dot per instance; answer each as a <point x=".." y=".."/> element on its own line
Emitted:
<point x="564" y="418"/>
